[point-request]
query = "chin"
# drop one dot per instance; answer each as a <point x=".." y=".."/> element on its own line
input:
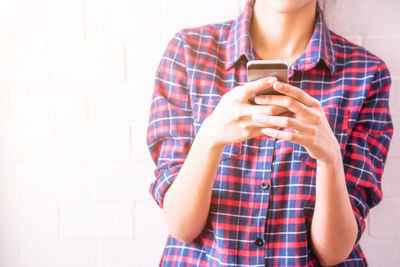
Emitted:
<point x="286" y="6"/>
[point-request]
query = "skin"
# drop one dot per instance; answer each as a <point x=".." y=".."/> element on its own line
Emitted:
<point x="281" y="29"/>
<point x="187" y="202"/>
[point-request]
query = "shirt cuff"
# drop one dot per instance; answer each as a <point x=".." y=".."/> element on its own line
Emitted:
<point x="360" y="224"/>
<point x="165" y="177"/>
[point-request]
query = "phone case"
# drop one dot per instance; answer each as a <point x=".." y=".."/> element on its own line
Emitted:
<point x="257" y="69"/>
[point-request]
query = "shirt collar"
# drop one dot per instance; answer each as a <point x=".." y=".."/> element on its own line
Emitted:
<point x="319" y="48"/>
<point x="239" y="41"/>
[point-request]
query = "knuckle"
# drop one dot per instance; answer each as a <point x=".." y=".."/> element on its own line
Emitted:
<point x="247" y="88"/>
<point x="315" y="118"/>
<point x="226" y="97"/>
<point x="313" y="131"/>
<point x="309" y="142"/>
<point x="290" y="135"/>
<point x="290" y="101"/>
<point x="269" y="109"/>
<point x="236" y="114"/>
<point x="238" y="88"/>
<point x="244" y="88"/>
<point x="285" y="122"/>
<point x="235" y="93"/>
<point x="316" y="104"/>
<point x="294" y="104"/>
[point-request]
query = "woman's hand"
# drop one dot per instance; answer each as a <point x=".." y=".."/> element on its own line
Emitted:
<point x="309" y="127"/>
<point x="231" y="121"/>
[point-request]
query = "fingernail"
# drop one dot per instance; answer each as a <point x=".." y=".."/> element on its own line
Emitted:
<point x="271" y="80"/>
<point x="278" y="86"/>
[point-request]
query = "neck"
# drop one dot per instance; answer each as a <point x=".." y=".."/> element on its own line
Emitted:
<point x="279" y="35"/>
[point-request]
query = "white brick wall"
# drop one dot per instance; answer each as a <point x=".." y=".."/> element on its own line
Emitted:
<point x="75" y="86"/>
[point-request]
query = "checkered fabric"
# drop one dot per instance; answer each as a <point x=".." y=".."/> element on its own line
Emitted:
<point x="264" y="192"/>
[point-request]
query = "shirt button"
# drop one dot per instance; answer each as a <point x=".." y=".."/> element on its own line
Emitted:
<point x="265" y="185"/>
<point x="259" y="242"/>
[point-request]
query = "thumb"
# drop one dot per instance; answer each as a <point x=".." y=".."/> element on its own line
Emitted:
<point x="253" y="87"/>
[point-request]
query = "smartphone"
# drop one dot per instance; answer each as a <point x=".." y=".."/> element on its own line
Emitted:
<point x="257" y="69"/>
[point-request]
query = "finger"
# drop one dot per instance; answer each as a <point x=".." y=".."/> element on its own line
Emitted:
<point x="288" y="114"/>
<point x="284" y="135"/>
<point x="272" y="110"/>
<point x="252" y="87"/>
<point x="296" y="93"/>
<point x="276" y="110"/>
<point x="281" y="122"/>
<point x="288" y="102"/>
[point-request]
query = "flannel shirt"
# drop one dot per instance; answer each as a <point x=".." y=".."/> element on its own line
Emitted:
<point x="264" y="191"/>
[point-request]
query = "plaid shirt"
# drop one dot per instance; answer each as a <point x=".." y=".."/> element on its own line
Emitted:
<point x="264" y="192"/>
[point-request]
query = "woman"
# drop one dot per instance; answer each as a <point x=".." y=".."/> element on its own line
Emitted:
<point x="286" y="182"/>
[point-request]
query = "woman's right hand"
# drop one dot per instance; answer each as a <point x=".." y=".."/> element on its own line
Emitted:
<point x="232" y="120"/>
<point x="187" y="201"/>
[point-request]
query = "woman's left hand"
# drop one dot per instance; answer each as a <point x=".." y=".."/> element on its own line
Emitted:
<point x="309" y="127"/>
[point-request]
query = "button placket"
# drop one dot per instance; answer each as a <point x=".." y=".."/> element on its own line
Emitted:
<point x="264" y="185"/>
<point x="259" y="242"/>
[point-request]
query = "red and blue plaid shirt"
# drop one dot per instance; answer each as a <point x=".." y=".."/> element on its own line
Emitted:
<point x="264" y="192"/>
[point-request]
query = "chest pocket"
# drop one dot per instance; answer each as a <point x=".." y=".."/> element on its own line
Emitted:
<point x="338" y="119"/>
<point x="202" y="108"/>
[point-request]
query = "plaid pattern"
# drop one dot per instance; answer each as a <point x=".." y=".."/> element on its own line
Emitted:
<point x="264" y="191"/>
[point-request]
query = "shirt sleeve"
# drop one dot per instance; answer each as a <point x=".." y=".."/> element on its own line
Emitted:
<point x="170" y="131"/>
<point x="367" y="148"/>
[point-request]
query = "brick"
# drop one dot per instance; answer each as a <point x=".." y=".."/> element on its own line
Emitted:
<point x="142" y="60"/>
<point x="87" y="61"/>
<point x="139" y="143"/>
<point x="143" y="253"/>
<point x="96" y="220"/>
<point x="113" y="103"/>
<point x="5" y="109"/>
<point x="7" y="183"/>
<point x="368" y="246"/>
<point x="242" y="4"/>
<point x="124" y="19"/>
<point x="26" y="141"/>
<point x="390" y="183"/>
<point x="183" y="13"/>
<point x="149" y="221"/>
<point x="70" y="102"/>
<point x="9" y="255"/>
<point x="45" y="102"/>
<point x="385" y="219"/>
<point x="122" y="181"/>
<point x="60" y="254"/>
<point x="143" y="98"/>
<point x="128" y="102"/>
<point x="32" y="102"/>
<point x="92" y="141"/>
<point x="28" y="222"/>
<point x="44" y="20"/>
<point x="394" y="150"/>
<point x="365" y="18"/>
<point x="24" y="61"/>
<point x="384" y="47"/>
<point x="52" y="181"/>
<point x="395" y="99"/>
<point x="380" y="252"/>
<point x="356" y="39"/>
